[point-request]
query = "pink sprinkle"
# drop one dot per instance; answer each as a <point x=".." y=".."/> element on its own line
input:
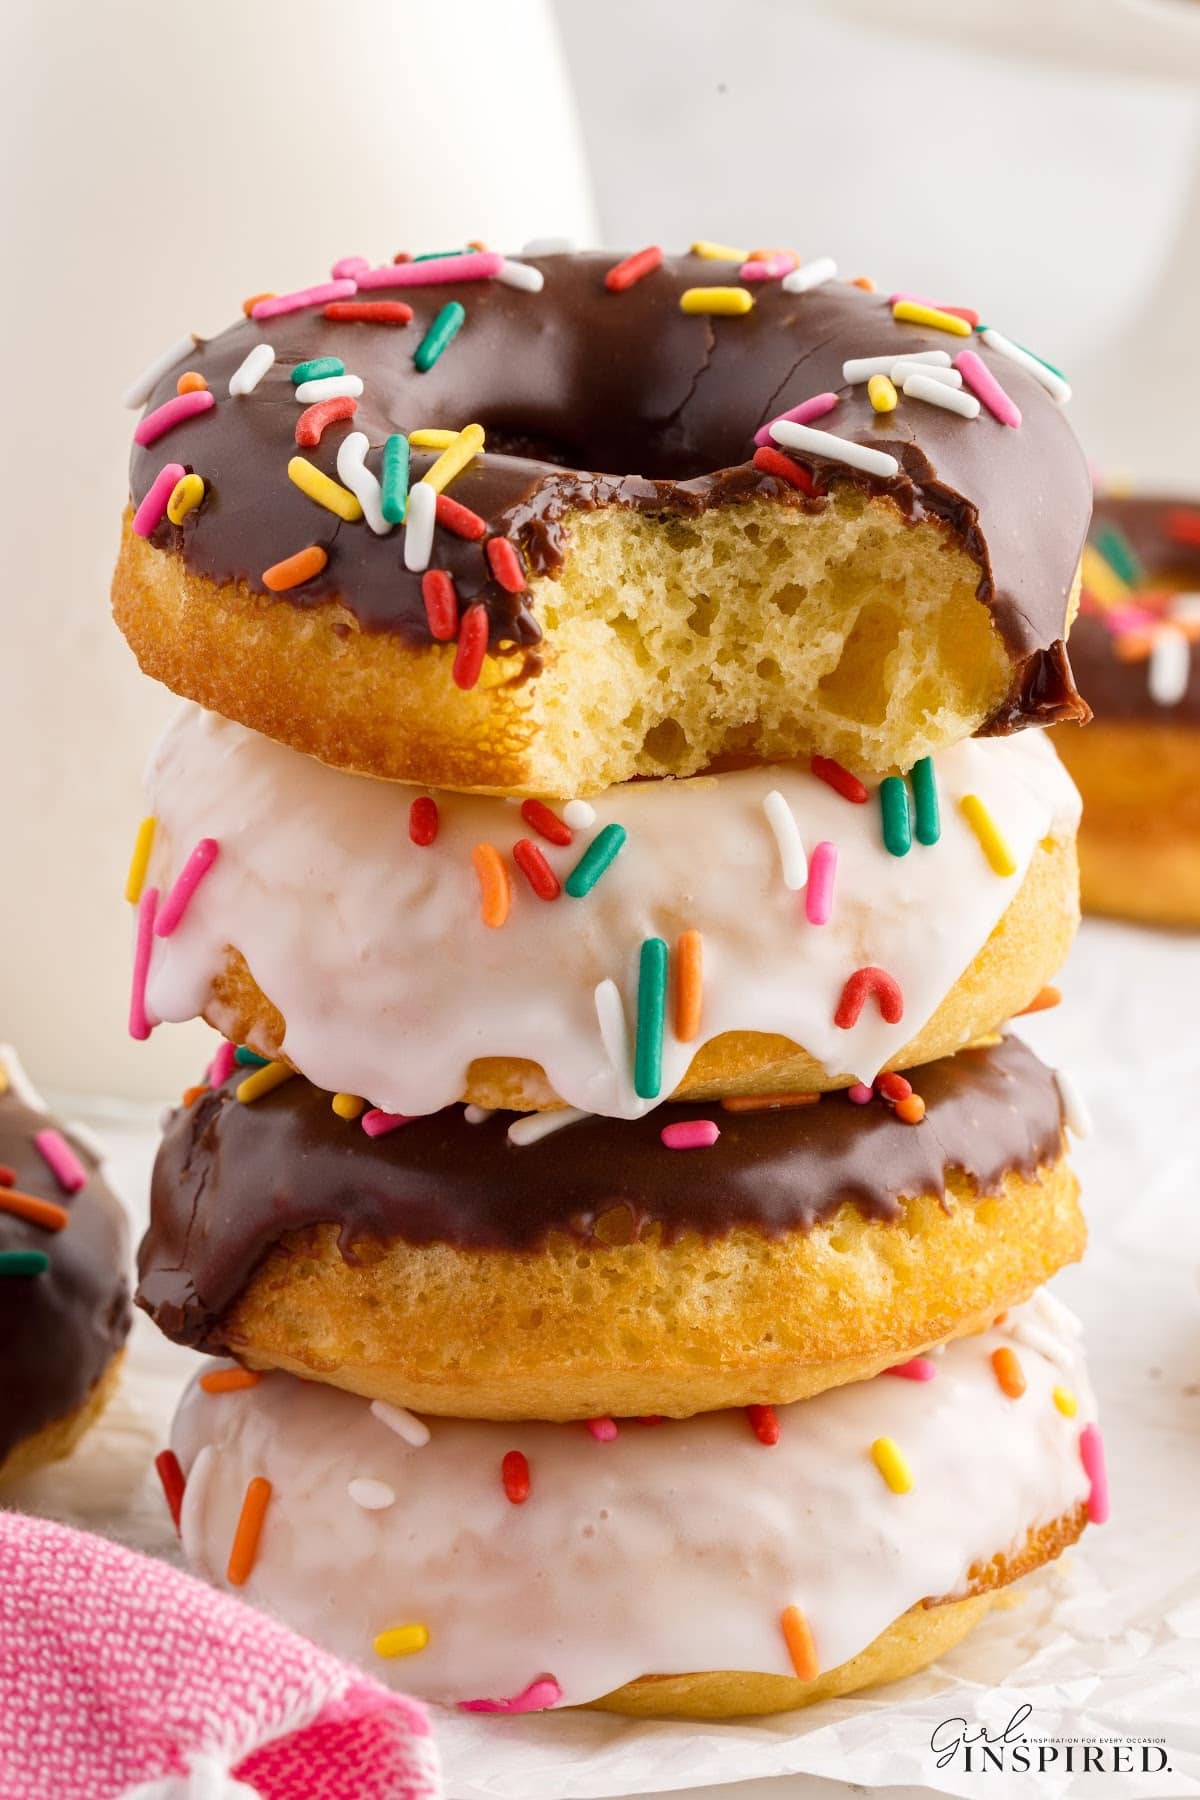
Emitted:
<point x="920" y="1368"/>
<point x="223" y="1064"/>
<point x="139" y="1021"/>
<point x="190" y="876"/>
<point x="818" y="895"/>
<point x="691" y="1134"/>
<point x="349" y="268"/>
<point x="540" y="1694"/>
<point x="477" y="266"/>
<point x="309" y="296"/>
<point x="603" y="1430"/>
<point x="377" y="1123"/>
<point x="804" y="414"/>
<point x="1091" y="1454"/>
<point x="770" y="268"/>
<point x="859" y="1094"/>
<point x="982" y="382"/>
<point x="172" y="412"/>
<point x="152" y="511"/>
<point x="61" y="1160"/>
<point x="1120" y="619"/>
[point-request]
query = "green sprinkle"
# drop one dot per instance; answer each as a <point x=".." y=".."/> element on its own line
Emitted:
<point x="393" y="481"/>
<point x="652" y="1007"/>
<point x="897" y="826"/>
<point x="595" y="859"/>
<point x="318" y="369"/>
<point x="1041" y="359"/>
<point x="924" y="787"/>
<point x="1118" y="553"/>
<point x="437" y="255"/>
<point x="446" y="326"/>
<point x="246" y="1058"/>
<point x="23" y="1262"/>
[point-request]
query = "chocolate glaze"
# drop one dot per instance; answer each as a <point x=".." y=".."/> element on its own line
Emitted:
<point x="231" y="1180"/>
<point x="596" y="399"/>
<point x="1119" y="690"/>
<point x="60" y="1330"/>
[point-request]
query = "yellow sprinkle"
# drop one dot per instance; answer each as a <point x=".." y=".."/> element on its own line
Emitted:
<point x="882" y="394"/>
<point x="718" y="252"/>
<point x="465" y="444"/>
<point x="1101" y="579"/>
<point x="912" y="313"/>
<point x="347" y="1106"/>
<point x="186" y="496"/>
<point x="716" y="300"/>
<point x="3" y="1079"/>
<point x="271" y="1075"/>
<point x="323" y="489"/>
<point x="401" y="1640"/>
<point x="1066" y="1402"/>
<point x="431" y="437"/>
<point x="143" y="843"/>
<point x="890" y="1462"/>
<point x="987" y="831"/>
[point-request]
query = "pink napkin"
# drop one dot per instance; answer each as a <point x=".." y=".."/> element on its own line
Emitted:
<point x="123" y="1679"/>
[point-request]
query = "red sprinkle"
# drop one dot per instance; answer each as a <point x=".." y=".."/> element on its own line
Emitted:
<point x="536" y="869"/>
<point x="314" y="419"/>
<point x="441" y="604"/>
<point x="860" y="985"/>
<point x="1182" y="525"/>
<point x="538" y="816"/>
<point x="763" y="1423"/>
<point x="173" y="1483"/>
<point x="8" y="1176"/>
<point x="774" y="462"/>
<point x="369" y="312"/>
<point x="893" y="1087"/>
<point x="472" y="647"/>
<point x="514" y="1473"/>
<point x="505" y="564"/>
<point x="652" y="1419"/>
<point x="840" y="780"/>
<point x="622" y="275"/>
<point x="423" y="820"/>
<point x="459" y="519"/>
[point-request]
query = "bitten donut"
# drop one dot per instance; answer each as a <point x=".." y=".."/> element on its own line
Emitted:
<point x="539" y="1268"/>
<point x="1134" y="653"/>
<point x="757" y="921"/>
<point x="64" y="1289"/>
<point x="699" y="1567"/>
<point x="504" y="526"/>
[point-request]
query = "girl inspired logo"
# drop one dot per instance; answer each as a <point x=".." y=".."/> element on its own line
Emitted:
<point x="978" y="1750"/>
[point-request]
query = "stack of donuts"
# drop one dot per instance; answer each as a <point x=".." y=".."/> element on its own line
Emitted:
<point x="604" y="833"/>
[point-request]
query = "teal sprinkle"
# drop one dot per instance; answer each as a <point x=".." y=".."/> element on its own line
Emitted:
<point x="437" y="255"/>
<point x="893" y="804"/>
<point x="1119" y="554"/>
<point x="446" y="326"/>
<point x="595" y="859"/>
<point x="249" y="1059"/>
<point x="23" y="1262"/>
<point x="1041" y="359"/>
<point x="925" y="795"/>
<point x="317" y="369"/>
<point x="652" y="1007"/>
<point x="393" y="479"/>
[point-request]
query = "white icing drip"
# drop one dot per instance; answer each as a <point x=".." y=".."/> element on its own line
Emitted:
<point x="665" y="1550"/>
<point x="345" y="922"/>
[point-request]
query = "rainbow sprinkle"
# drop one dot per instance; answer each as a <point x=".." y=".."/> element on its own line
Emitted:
<point x="595" y="860"/>
<point x="651" y="1013"/>
<point x="889" y="1459"/>
<point x="445" y="328"/>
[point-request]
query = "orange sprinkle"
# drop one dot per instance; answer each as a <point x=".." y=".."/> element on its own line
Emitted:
<point x="689" y="985"/>
<point x="229" y="1381"/>
<point x="864" y="282"/>
<point x="1133" y="646"/>
<point x="1009" y="1372"/>
<point x="294" y="569"/>
<point x="764" y="1102"/>
<point x="495" y="894"/>
<point x="244" y="1553"/>
<point x="799" y="1641"/>
<point x="190" y="382"/>
<point x="46" y="1213"/>
<point x="1041" y="1002"/>
<point x="193" y="1093"/>
<point x="911" y="1109"/>
<point x="1000" y="1317"/>
<point x="249" y="305"/>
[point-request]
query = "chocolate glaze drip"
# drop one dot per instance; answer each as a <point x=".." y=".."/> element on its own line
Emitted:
<point x="596" y="399"/>
<point x="1119" y="690"/>
<point x="231" y="1180"/>
<point x="58" y="1331"/>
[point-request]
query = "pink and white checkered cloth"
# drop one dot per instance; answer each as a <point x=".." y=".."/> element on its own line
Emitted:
<point x="123" y="1679"/>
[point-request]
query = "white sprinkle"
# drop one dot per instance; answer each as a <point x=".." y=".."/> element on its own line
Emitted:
<point x="535" y="1126"/>
<point x="329" y="387"/>
<point x="250" y="370"/>
<point x="477" y="1115"/>
<point x="1186" y="608"/>
<point x="919" y="387"/>
<point x="1054" y="384"/>
<point x="139" y="391"/>
<point x="810" y="275"/>
<point x="405" y="1424"/>
<point x="934" y="371"/>
<point x="861" y="368"/>
<point x="614" y="1033"/>
<point x="1170" y="666"/>
<point x="823" y="443"/>
<point x="782" y="820"/>
<point x="418" y="525"/>
<point x="579" y="814"/>
<point x="371" y="1495"/>
<point x="1076" y="1117"/>
<point x="521" y="275"/>
<point x="547" y="246"/>
<point x="353" y="471"/>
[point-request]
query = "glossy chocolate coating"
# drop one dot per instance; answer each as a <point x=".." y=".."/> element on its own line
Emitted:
<point x="1119" y="690"/>
<point x="591" y="398"/>
<point x="231" y="1180"/>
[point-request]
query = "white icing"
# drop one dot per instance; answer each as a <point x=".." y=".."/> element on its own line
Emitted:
<point x="375" y="952"/>
<point x="667" y="1550"/>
